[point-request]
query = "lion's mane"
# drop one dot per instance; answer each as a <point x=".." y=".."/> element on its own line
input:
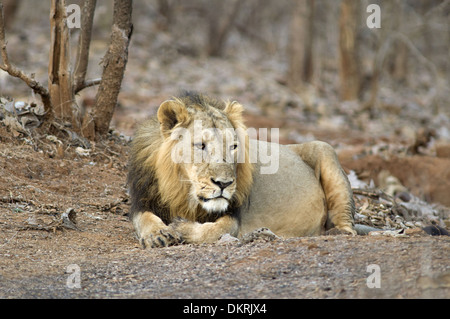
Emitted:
<point x="158" y="185"/>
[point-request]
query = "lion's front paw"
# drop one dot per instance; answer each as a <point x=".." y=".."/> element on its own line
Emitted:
<point x="188" y="230"/>
<point x="165" y="237"/>
<point x="201" y="233"/>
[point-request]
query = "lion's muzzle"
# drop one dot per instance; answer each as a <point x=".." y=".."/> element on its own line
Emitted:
<point x="218" y="196"/>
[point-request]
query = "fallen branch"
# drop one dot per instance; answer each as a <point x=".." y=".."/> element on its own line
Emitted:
<point x="377" y="195"/>
<point x="67" y="220"/>
<point x="11" y="200"/>
<point x="366" y="192"/>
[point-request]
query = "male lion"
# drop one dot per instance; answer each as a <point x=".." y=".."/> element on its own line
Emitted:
<point x="193" y="186"/>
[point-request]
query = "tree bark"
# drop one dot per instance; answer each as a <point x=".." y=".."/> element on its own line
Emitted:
<point x="349" y="65"/>
<point x="114" y="63"/>
<point x="84" y="42"/>
<point x="59" y="75"/>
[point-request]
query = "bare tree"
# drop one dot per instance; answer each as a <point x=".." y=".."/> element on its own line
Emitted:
<point x="349" y="65"/>
<point x="300" y="45"/>
<point x="59" y="99"/>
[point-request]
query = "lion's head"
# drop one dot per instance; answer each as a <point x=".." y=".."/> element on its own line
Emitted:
<point x="200" y="160"/>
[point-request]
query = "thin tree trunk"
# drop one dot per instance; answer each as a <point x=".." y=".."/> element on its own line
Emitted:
<point x="399" y="56"/>
<point x="10" y="9"/>
<point x="114" y="63"/>
<point x="301" y="44"/>
<point x="349" y="65"/>
<point x="166" y="15"/>
<point x="220" y="26"/>
<point x="87" y="18"/>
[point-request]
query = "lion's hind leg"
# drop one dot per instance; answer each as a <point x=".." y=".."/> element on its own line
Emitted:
<point x="152" y="232"/>
<point x="322" y="158"/>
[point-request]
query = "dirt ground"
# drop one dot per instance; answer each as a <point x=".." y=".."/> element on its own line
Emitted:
<point x="38" y="251"/>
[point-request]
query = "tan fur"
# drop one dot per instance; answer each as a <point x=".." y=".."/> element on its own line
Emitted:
<point x="199" y="202"/>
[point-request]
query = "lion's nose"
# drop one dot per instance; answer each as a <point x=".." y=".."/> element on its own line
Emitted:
<point x="221" y="183"/>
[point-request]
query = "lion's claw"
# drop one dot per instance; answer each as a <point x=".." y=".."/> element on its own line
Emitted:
<point x="166" y="237"/>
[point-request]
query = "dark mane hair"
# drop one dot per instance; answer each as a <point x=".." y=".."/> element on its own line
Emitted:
<point x="195" y="98"/>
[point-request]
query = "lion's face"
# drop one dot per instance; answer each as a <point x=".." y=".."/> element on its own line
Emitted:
<point x="211" y="168"/>
<point x="207" y="146"/>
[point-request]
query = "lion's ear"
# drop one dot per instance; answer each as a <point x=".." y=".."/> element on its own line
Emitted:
<point x="234" y="112"/>
<point x="171" y="113"/>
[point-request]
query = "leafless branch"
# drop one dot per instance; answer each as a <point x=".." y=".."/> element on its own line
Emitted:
<point x="87" y="83"/>
<point x="15" y="72"/>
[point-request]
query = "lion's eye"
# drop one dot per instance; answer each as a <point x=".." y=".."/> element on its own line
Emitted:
<point x="200" y="146"/>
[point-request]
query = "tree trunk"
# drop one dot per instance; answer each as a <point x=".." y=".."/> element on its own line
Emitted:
<point x="114" y="63"/>
<point x="220" y="25"/>
<point x="165" y="18"/>
<point x="349" y="65"/>
<point x="398" y="66"/>
<point x="301" y="44"/>
<point x="59" y="75"/>
<point x="10" y="10"/>
<point x="84" y="42"/>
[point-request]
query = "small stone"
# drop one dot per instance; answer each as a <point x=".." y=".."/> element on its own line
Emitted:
<point x="227" y="239"/>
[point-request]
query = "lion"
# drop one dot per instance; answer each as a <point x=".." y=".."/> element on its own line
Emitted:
<point x="193" y="178"/>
